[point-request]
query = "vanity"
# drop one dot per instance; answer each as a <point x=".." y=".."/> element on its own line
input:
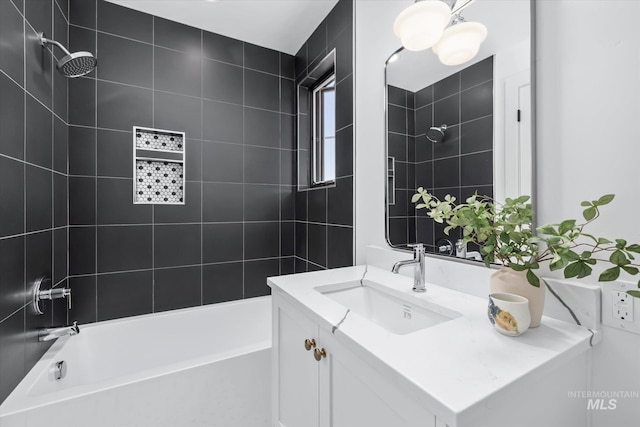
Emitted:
<point x="357" y="347"/>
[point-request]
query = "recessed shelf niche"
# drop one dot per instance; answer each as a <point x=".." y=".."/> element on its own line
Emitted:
<point x="158" y="166"/>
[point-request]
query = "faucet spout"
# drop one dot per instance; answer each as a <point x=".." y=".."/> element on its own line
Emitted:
<point x="397" y="265"/>
<point x="53" y="333"/>
<point x="419" y="268"/>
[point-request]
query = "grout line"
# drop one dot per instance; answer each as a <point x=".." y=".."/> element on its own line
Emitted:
<point x="29" y="163"/>
<point x="24" y="89"/>
<point x="24" y="169"/>
<point x="182" y="51"/>
<point x="191" y="139"/>
<point x="153" y="125"/>
<point x="96" y="169"/>
<point x="201" y="169"/>
<point x="106" y="273"/>
<point x="183" y="94"/>
<point x="244" y="172"/>
<point x="52" y="266"/>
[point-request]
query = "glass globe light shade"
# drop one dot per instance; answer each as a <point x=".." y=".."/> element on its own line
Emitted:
<point x="460" y="43"/>
<point x="421" y="25"/>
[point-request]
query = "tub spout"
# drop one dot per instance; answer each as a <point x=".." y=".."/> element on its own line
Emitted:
<point x="53" y="333"/>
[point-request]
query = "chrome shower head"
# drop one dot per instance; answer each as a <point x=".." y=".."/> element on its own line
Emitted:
<point x="436" y="134"/>
<point x="72" y="64"/>
<point x="77" y="64"/>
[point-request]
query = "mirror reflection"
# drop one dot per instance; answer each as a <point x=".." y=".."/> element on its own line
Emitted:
<point x="459" y="129"/>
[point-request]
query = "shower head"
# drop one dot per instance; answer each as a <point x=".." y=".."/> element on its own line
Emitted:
<point x="436" y="134"/>
<point x="72" y="64"/>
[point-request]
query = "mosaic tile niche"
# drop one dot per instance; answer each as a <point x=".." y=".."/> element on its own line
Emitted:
<point x="159" y="166"/>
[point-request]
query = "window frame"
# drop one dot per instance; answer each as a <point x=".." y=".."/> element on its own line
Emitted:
<point x="317" y="158"/>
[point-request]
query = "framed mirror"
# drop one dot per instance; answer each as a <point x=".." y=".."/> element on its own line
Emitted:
<point x="459" y="129"/>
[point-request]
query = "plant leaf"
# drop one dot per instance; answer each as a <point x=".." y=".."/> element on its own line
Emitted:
<point x="621" y="243"/>
<point x="572" y="270"/>
<point x="619" y="258"/>
<point x="566" y="225"/>
<point x="547" y="229"/>
<point x="635" y="294"/>
<point x="415" y="198"/>
<point x="610" y="274"/>
<point x="516" y="267"/>
<point x="631" y="270"/>
<point x="585" y="270"/>
<point x="589" y="213"/>
<point x="606" y="199"/>
<point x="585" y="204"/>
<point x="634" y="248"/>
<point x="533" y="279"/>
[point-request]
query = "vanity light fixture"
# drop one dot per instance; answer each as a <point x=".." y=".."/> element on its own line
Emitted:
<point x="460" y="42"/>
<point x="421" y="25"/>
<point x="427" y="23"/>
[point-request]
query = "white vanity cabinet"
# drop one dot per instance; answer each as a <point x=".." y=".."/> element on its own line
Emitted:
<point x="340" y="389"/>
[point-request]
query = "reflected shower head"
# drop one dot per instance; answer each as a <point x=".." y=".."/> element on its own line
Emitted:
<point x="72" y="64"/>
<point x="436" y="134"/>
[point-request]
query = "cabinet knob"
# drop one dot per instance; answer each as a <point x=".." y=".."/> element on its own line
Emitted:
<point x="319" y="353"/>
<point x="309" y="344"/>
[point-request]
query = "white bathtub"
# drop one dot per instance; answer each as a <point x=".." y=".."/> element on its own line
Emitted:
<point x="204" y="366"/>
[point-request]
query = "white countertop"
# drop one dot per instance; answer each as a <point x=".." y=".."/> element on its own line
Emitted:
<point x="455" y="365"/>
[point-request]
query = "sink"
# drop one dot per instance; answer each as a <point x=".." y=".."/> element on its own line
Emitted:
<point x="396" y="315"/>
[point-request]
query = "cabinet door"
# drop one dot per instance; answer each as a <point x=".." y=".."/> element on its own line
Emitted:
<point x="353" y="394"/>
<point x="294" y="368"/>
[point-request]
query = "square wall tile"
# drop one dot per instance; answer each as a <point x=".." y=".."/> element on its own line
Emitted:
<point x="177" y="72"/>
<point x="176" y="288"/>
<point x="12" y="187"/>
<point x="122" y="248"/>
<point x="255" y="276"/>
<point x="84" y="291"/>
<point x="176" y="245"/>
<point x="136" y="286"/>
<point x="222" y="242"/>
<point x="11" y="118"/>
<point x="122" y="107"/>
<point x="222" y="282"/>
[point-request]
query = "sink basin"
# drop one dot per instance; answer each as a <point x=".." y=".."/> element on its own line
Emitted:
<point x="396" y="315"/>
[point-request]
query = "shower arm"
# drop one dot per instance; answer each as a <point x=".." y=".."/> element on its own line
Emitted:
<point x="44" y="41"/>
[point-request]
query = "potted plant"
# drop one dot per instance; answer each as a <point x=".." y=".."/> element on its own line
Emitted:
<point x="504" y="232"/>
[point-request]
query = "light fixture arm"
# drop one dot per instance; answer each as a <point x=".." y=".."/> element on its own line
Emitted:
<point x="457" y="8"/>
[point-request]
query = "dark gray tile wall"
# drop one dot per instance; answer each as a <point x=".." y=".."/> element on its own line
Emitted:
<point x="33" y="179"/>
<point x="234" y="101"/>
<point x="461" y="165"/>
<point x="324" y="216"/>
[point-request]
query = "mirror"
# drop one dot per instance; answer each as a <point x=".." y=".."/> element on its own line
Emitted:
<point x="459" y="129"/>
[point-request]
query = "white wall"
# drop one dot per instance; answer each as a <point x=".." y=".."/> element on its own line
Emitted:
<point x="374" y="43"/>
<point x="588" y="126"/>
<point x="588" y="122"/>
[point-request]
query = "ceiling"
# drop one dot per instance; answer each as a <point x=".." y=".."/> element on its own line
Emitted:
<point x="283" y="25"/>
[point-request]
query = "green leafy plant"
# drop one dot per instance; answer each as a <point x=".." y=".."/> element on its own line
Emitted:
<point x="505" y="235"/>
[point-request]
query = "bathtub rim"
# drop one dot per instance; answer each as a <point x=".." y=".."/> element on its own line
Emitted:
<point x="19" y="400"/>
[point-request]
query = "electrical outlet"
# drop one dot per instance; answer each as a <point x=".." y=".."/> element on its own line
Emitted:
<point x="619" y="309"/>
<point x="622" y="306"/>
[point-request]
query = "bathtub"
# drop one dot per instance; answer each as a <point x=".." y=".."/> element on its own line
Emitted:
<point x="203" y="366"/>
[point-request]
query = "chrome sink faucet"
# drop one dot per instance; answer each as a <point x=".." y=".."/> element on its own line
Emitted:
<point x="418" y="267"/>
<point x="51" y="334"/>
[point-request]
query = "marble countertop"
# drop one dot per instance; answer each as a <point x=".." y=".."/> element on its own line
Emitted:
<point x="454" y="366"/>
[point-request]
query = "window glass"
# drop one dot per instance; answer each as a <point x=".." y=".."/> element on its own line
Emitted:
<point x="324" y="131"/>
